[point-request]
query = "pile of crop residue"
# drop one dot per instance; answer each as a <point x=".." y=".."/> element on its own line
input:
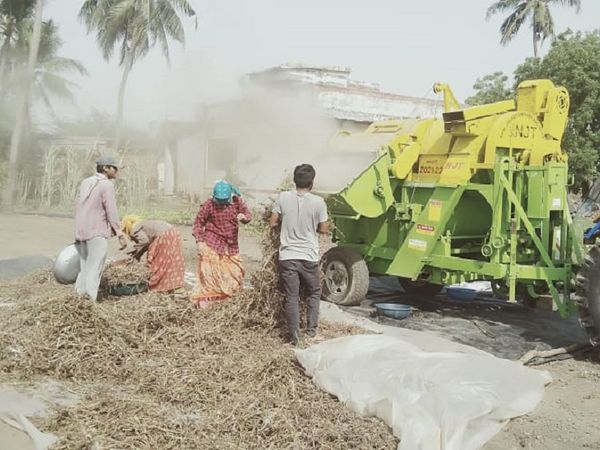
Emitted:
<point x="264" y="302"/>
<point x="133" y="272"/>
<point x="158" y="373"/>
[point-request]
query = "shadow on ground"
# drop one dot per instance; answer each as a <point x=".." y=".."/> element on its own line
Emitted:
<point x="14" y="268"/>
<point x="507" y="330"/>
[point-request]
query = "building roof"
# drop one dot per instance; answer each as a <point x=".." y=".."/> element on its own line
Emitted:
<point x="344" y="98"/>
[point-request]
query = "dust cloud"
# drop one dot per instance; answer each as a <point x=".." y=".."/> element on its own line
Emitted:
<point x="258" y="139"/>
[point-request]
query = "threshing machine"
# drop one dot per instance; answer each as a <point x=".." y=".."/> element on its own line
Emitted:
<point x="480" y="194"/>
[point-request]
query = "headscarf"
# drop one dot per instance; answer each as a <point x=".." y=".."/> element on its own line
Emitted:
<point x="224" y="191"/>
<point x="128" y="223"/>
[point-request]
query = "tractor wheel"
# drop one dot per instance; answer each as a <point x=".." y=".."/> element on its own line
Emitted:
<point x="346" y="276"/>
<point x="420" y="287"/>
<point x="587" y="294"/>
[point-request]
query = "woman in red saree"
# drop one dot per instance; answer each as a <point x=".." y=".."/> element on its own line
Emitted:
<point x="220" y="268"/>
<point x="162" y="242"/>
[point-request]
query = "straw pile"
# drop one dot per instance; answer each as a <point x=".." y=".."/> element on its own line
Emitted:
<point x="134" y="272"/>
<point x="156" y="373"/>
<point x="263" y="304"/>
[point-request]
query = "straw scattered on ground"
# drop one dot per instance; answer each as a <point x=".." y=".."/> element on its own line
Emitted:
<point x="157" y="373"/>
<point x="134" y="272"/>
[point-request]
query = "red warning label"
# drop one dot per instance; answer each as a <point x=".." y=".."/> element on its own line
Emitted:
<point x="428" y="230"/>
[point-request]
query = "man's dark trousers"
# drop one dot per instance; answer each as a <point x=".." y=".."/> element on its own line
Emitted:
<point x="293" y="272"/>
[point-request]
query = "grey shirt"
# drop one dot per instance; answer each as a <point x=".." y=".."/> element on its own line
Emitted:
<point x="301" y="214"/>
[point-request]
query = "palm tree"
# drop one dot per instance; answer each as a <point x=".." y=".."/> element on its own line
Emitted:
<point x="134" y="26"/>
<point x="9" y="191"/>
<point x="542" y="23"/>
<point x="12" y="14"/>
<point x="49" y="80"/>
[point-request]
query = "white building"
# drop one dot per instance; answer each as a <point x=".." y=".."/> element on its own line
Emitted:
<point x="285" y="115"/>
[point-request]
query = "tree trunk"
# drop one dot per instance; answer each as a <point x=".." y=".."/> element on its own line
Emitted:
<point x="8" y="194"/>
<point x="121" y="100"/>
<point x="3" y="56"/>
<point x="535" y="45"/>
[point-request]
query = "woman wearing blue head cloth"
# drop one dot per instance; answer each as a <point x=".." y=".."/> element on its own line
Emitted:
<point x="220" y="269"/>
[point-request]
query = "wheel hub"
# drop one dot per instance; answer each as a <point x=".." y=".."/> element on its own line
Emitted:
<point x="336" y="277"/>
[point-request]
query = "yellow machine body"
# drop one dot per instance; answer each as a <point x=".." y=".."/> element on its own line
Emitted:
<point x="449" y="151"/>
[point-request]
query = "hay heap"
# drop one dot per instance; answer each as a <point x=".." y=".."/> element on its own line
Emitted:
<point x="264" y="302"/>
<point x="156" y="373"/>
<point x="134" y="272"/>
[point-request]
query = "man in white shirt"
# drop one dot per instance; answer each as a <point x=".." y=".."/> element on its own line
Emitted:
<point x="302" y="216"/>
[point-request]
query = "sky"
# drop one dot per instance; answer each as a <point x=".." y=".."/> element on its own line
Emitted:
<point x="402" y="46"/>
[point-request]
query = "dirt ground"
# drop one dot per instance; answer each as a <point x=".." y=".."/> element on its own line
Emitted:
<point x="29" y="234"/>
<point x="566" y="418"/>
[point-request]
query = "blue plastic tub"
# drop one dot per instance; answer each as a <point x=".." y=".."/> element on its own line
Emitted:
<point x="459" y="293"/>
<point x="393" y="310"/>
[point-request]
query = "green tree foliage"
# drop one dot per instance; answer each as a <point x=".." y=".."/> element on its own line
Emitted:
<point x="573" y="61"/>
<point x="489" y="89"/>
<point x="49" y="78"/>
<point x="8" y="194"/>
<point x="537" y="11"/>
<point x="50" y="82"/>
<point x="13" y="13"/>
<point x="21" y="90"/>
<point x="134" y="27"/>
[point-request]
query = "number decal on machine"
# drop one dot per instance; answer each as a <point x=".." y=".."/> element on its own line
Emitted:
<point x="433" y="167"/>
<point x="430" y="170"/>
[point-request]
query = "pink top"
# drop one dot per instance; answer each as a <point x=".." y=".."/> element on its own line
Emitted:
<point x="96" y="209"/>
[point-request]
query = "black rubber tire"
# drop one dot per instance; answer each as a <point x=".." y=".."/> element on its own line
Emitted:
<point x="355" y="289"/>
<point x="587" y="294"/>
<point x="419" y="287"/>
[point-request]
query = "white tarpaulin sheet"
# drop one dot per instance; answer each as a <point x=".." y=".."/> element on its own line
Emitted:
<point x="431" y="400"/>
<point x="14" y="409"/>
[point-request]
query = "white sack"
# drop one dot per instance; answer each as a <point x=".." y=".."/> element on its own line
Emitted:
<point x="479" y="286"/>
<point x="432" y="400"/>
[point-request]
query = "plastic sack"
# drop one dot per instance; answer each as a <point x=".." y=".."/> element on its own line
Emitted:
<point x="431" y="400"/>
<point x="66" y="266"/>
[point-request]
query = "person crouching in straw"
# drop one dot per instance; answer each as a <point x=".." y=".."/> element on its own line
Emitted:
<point x="162" y="242"/>
<point x="220" y="268"/>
